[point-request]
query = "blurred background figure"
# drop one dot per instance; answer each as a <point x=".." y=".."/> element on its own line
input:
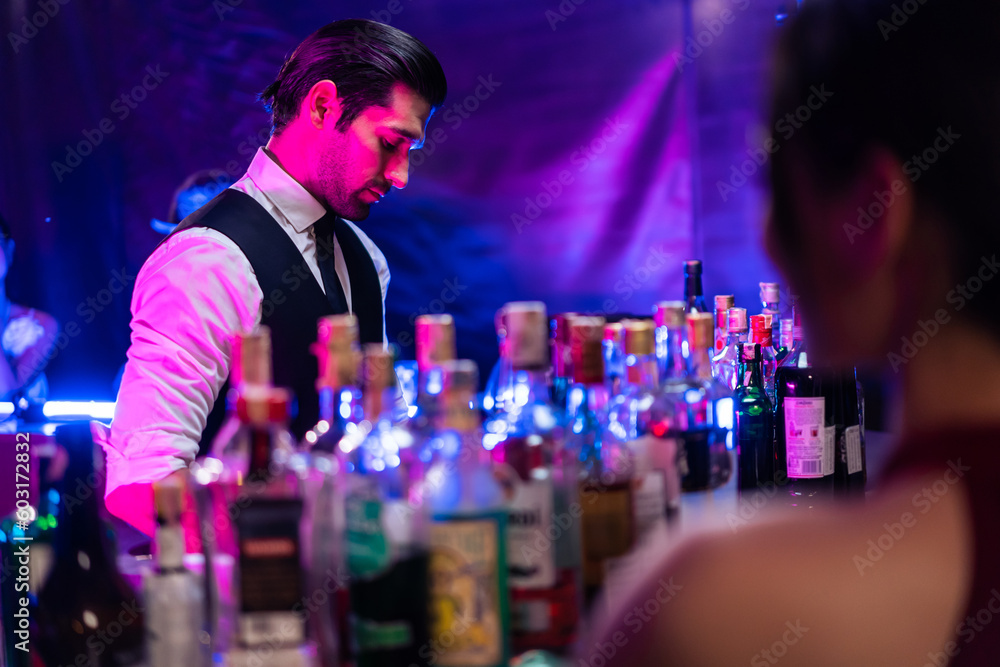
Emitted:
<point x="28" y="338"/>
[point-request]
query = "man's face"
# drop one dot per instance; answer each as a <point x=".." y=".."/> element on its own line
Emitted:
<point x="357" y="167"/>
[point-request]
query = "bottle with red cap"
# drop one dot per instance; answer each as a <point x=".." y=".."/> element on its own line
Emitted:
<point x="760" y="333"/>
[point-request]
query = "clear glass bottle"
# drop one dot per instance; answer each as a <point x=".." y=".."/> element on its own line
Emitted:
<point x="599" y="441"/>
<point x="708" y="409"/>
<point x="173" y="595"/>
<point x="760" y="332"/>
<point x="754" y="421"/>
<point x="724" y="363"/>
<point x="722" y="305"/>
<point x="386" y="530"/>
<point x="694" y="295"/>
<point x="562" y="363"/>
<point x="784" y="342"/>
<point x="469" y="618"/>
<point x="770" y="298"/>
<point x="542" y="478"/>
<point x="614" y="357"/>
<point x="435" y="344"/>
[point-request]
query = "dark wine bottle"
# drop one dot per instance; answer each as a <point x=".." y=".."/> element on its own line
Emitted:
<point x="85" y="606"/>
<point x="694" y="295"/>
<point x="855" y="471"/>
<point x="804" y="449"/>
<point x="753" y="422"/>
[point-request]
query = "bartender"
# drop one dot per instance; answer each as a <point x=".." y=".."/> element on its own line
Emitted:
<point x="279" y="248"/>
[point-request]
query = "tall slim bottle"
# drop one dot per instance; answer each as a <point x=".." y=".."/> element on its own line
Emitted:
<point x="724" y="363"/>
<point x="469" y="618"/>
<point x="562" y="362"/>
<point x="435" y="344"/>
<point x="770" y="298"/>
<point x="754" y="427"/>
<point x="803" y="453"/>
<point x="708" y="413"/>
<point x="760" y="332"/>
<point x="722" y="305"/>
<point x="599" y="441"/>
<point x="850" y="481"/>
<point x="694" y="295"/>
<point x="543" y="484"/>
<point x="386" y="536"/>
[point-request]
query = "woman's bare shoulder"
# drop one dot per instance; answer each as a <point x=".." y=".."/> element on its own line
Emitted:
<point x="879" y="583"/>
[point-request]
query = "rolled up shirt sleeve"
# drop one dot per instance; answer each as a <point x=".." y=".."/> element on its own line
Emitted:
<point x="194" y="293"/>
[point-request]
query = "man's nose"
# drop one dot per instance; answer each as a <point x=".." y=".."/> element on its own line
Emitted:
<point x="398" y="171"/>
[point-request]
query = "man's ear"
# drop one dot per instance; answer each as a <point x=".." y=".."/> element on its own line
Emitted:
<point x="321" y="104"/>
<point x="874" y="214"/>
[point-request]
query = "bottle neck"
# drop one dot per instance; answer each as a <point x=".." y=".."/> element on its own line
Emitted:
<point x="169" y="547"/>
<point x="529" y="386"/>
<point x="750" y="374"/>
<point x="700" y="363"/>
<point x="692" y="288"/>
<point x="734" y="338"/>
<point x="798" y="356"/>
<point x="642" y="371"/>
<point x="677" y="363"/>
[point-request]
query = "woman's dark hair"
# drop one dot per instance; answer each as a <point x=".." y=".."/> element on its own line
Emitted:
<point x="365" y="59"/>
<point x="899" y="73"/>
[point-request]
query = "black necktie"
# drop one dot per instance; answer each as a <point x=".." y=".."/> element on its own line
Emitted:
<point x="324" y="231"/>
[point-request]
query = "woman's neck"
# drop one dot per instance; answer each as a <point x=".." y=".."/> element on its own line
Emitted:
<point x="953" y="380"/>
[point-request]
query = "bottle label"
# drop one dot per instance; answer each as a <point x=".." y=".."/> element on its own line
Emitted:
<point x="805" y="438"/>
<point x="829" y="450"/>
<point x="468" y="591"/>
<point x="367" y="550"/>
<point x="530" y="556"/>
<point x="852" y="434"/>
<point x="270" y="577"/>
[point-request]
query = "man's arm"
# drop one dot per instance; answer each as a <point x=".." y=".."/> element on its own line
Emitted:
<point x="194" y="293"/>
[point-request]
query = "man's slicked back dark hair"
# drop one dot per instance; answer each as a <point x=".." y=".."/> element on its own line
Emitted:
<point x="365" y="59"/>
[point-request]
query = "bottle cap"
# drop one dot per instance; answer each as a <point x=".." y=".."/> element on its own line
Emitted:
<point x="749" y="352"/>
<point x="614" y="331"/>
<point x="692" y="267"/>
<point x="760" y="328"/>
<point x="527" y="334"/>
<point x="252" y="358"/>
<point x="701" y="331"/>
<point x="435" y="340"/>
<point x="585" y="343"/>
<point x="639" y="337"/>
<point x="770" y="293"/>
<point x="337" y="352"/>
<point x="264" y="405"/>
<point x="724" y="301"/>
<point x="378" y="369"/>
<point x="737" y="320"/>
<point x="669" y="314"/>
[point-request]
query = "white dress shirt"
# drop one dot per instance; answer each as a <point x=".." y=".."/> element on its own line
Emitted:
<point x="196" y="291"/>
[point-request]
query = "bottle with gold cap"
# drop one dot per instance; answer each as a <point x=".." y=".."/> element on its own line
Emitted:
<point x="386" y="531"/>
<point x="542" y="484"/>
<point x="706" y="416"/>
<point x="598" y="439"/>
<point x="250" y="500"/>
<point x="174" y="597"/>
<point x="469" y="615"/>
<point x="435" y="344"/>
<point x="671" y="361"/>
<point x="723" y="302"/>
<point x="725" y="362"/>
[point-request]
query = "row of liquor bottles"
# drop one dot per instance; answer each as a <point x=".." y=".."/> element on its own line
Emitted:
<point x="385" y="537"/>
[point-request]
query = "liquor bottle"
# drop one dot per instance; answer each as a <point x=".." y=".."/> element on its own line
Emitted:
<point x="598" y="440"/>
<point x="852" y="482"/>
<point x="770" y="298"/>
<point x="33" y="524"/>
<point x="675" y="385"/>
<point x="435" y="344"/>
<point x="614" y="357"/>
<point x="173" y="595"/>
<point x="85" y="595"/>
<point x="562" y="362"/>
<point x="708" y="413"/>
<point x="469" y="620"/>
<point x="693" y="293"/>
<point x="785" y="339"/>
<point x="340" y="411"/>
<point x="386" y="536"/>
<point x="250" y="490"/>
<point x="722" y="305"/>
<point x="725" y="362"/>
<point x="543" y="482"/>
<point x="803" y="455"/>
<point x="754" y="421"/>
<point x="760" y="332"/>
<point x="498" y="385"/>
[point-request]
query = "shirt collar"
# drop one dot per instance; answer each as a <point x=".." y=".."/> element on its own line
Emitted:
<point x="291" y="199"/>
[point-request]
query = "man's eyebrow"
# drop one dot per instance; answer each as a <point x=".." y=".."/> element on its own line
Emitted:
<point x="415" y="137"/>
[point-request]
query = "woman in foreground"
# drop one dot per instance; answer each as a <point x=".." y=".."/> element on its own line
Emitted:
<point x="886" y="222"/>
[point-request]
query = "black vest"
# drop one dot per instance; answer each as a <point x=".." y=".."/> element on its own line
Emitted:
<point x="293" y="300"/>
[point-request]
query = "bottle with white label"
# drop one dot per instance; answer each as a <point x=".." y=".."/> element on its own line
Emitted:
<point x="804" y="446"/>
<point x="469" y="618"/>
<point x="386" y="531"/>
<point x="175" y="604"/>
<point x="543" y="538"/>
<point x="851" y="479"/>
